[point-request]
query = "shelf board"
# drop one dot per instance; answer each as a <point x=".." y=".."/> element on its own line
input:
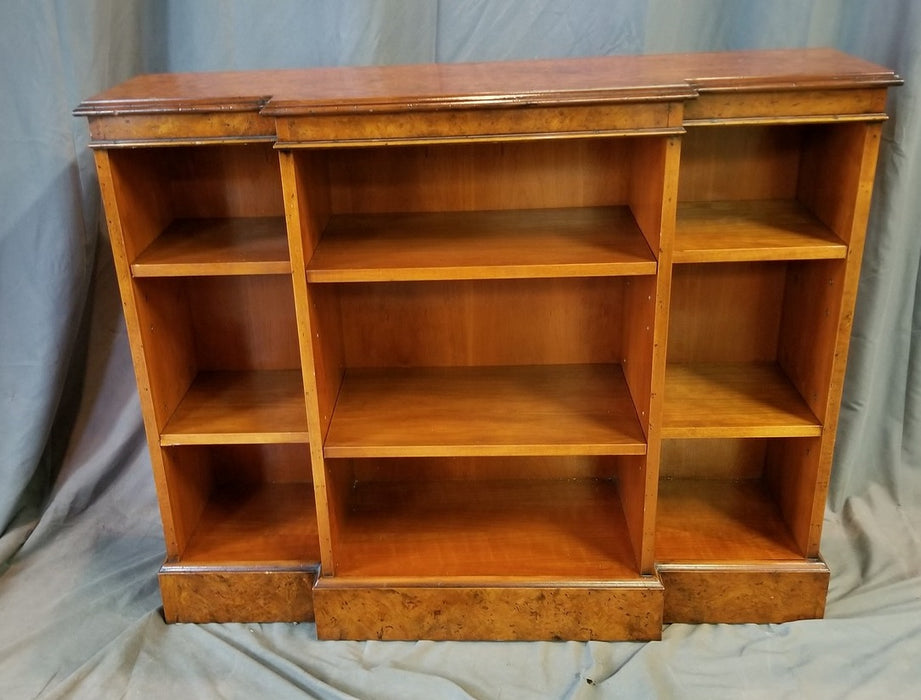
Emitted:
<point x="713" y="521"/>
<point x="231" y="246"/>
<point x="575" y="242"/>
<point x="408" y="531"/>
<point x="729" y="231"/>
<point x="484" y="411"/>
<point x="248" y="407"/>
<point x="736" y="399"/>
<point x="256" y="525"/>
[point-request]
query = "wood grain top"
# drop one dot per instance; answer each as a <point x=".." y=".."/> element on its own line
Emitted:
<point x="600" y="79"/>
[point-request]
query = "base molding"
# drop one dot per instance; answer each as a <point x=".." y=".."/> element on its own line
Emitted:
<point x="698" y="592"/>
<point x="527" y="611"/>
<point x="758" y="592"/>
<point x="237" y="594"/>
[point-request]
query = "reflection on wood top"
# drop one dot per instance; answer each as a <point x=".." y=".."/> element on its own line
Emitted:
<point x="599" y="79"/>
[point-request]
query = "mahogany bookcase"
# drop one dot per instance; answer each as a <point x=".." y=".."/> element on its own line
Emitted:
<point x="530" y="350"/>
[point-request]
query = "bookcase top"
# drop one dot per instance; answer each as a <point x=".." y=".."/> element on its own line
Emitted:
<point x="436" y="86"/>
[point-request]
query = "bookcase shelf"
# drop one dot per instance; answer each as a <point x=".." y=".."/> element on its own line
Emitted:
<point x="593" y="241"/>
<point x="240" y="407"/>
<point x="533" y="350"/>
<point x="229" y="246"/>
<point x="725" y="231"/>
<point x="750" y="399"/>
<point x="484" y="411"/>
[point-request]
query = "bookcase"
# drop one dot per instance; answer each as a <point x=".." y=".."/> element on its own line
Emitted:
<point x="531" y="350"/>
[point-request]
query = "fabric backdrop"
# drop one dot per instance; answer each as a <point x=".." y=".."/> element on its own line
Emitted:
<point x="80" y="541"/>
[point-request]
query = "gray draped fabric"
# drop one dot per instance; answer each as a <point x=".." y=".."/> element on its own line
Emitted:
<point x="80" y="540"/>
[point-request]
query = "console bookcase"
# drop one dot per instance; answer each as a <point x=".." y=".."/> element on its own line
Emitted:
<point x="532" y="350"/>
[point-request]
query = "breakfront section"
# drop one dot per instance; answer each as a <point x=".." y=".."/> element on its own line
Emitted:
<point x="200" y="245"/>
<point x="772" y="205"/>
<point x="482" y="310"/>
<point x="531" y="350"/>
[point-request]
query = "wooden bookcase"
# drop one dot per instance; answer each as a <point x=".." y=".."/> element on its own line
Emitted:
<point x="533" y="350"/>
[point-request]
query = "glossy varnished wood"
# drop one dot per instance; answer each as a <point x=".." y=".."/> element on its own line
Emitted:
<point x="786" y="106"/>
<point x="473" y="245"/>
<point x="562" y="81"/>
<point x="729" y="459"/>
<point x="484" y="411"/>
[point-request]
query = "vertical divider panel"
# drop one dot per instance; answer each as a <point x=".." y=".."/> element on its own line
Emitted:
<point x="652" y="198"/>
<point x="306" y="194"/>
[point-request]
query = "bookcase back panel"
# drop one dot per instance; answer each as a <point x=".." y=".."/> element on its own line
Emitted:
<point x="243" y="322"/>
<point x="561" y="173"/>
<point x="713" y="459"/>
<point x="260" y="464"/>
<point x="551" y="529"/>
<point x="726" y="312"/>
<point x="206" y="181"/>
<point x="209" y="181"/>
<point x="740" y="162"/>
<point x="482" y="322"/>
